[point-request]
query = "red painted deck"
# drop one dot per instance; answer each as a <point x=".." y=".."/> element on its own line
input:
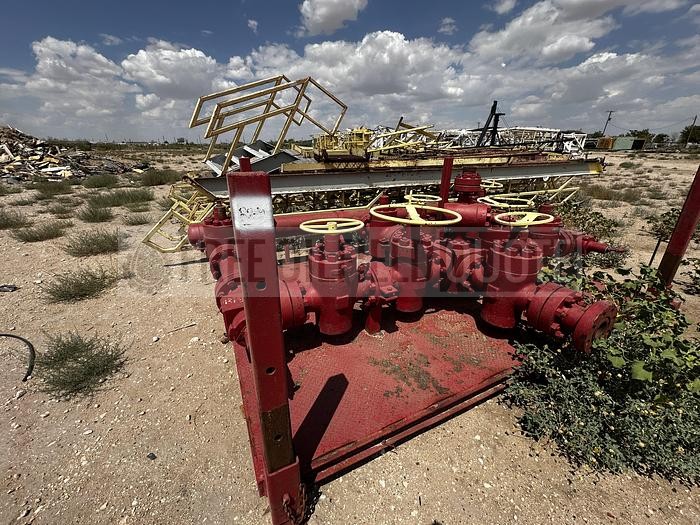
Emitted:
<point x="355" y="396"/>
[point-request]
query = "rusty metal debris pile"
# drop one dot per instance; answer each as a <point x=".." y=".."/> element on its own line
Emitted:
<point x="23" y="157"/>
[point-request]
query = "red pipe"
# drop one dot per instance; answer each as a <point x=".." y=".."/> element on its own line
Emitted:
<point x="682" y="233"/>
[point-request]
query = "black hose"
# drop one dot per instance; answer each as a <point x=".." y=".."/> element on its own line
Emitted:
<point x="32" y="354"/>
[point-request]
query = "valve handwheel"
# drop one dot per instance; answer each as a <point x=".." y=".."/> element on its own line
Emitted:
<point x="490" y="184"/>
<point x="414" y="218"/>
<point x="523" y="219"/>
<point x="331" y="225"/>
<point x="497" y="201"/>
<point x="421" y="198"/>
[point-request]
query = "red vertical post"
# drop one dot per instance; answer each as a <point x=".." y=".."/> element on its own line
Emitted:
<point x="254" y="233"/>
<point x="445" y="180"/>
<point x="244" y="164"/>
<point x="682" y="233"/>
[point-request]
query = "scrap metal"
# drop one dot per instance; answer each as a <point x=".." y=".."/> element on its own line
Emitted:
<point x="23" y="157"/>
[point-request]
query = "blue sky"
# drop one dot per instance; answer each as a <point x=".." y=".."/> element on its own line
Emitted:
<point x="133" y="69"/>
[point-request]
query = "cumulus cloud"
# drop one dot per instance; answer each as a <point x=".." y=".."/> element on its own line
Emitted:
<point x="555" y="76"/>
<point x="171" y="71"/>
<point x="110" y="40"/>
<point x="253" y="26"/>
<point x="448" y="26"/>
<point x="503" y="6"/>
<point x="325" y="17"/>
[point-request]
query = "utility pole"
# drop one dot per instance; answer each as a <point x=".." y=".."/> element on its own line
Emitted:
<point x="690" y="133"/>
<point x="608" y="121"/>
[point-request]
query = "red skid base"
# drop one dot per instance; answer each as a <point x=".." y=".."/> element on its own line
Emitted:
<point x="358" y="396"/>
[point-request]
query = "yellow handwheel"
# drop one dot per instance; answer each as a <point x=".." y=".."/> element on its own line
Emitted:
<point x="523" y="219"/>
<point x="496" y="201"/>
<point x="414" y="218"/>
<point x="331" y="225"/>
<point x="490" y="184"/>
<point x="421" y="198"/>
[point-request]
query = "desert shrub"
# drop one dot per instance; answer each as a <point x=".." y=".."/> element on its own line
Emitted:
<point x="138" y="206"/>
<point x="47" y="189"/>
<point x="103" y="180"/>
<point x="42" y="232"/>
<point x="74" y="364"/>
<point x="10" y="219"/>
<point x="656" y="194"/>
<point x="137" y="219"/>
<point x="24" y="201"/>
<point x="631" y="195"/>
<point x="661" y="226"/>
<point x="693" y="273"/>
<point x="629" y="165"/>
<point x="83" y="283"/>
<point x="121" y="197"/>
<point x="93" y="242"/>
<point x="61" y="210"/>
<point x="634" y="402"/>
<point x="92" y="213"/>
<point x="595" y="191"/>
<point x="155" y="177"/>
<point x="582" y="217"/>
<point x="9" y="189"/>
<point x="165" y="203"/>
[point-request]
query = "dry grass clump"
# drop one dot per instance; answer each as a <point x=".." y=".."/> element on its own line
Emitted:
<point x="93" y="242"/>
<point x="78" y="365"/>
<point x="83" y="283"/>
<point x="47" y="189"/>
<point x="155" y="177"/>
<point x="138" y="206"/>
<point x="137" y="219"/>
<point x="92" y="213"/>
<point x="42" y="232"/>
<point x="24" y="201"/>
<point x="9" y="189"/>
<point x="11" y="219"/>
<point x="121" y="197"/>
<point x="62" y="209"/>
<point x="103" y="180"/>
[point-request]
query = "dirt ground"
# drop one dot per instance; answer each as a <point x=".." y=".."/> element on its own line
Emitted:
<point x="86" y="460"/>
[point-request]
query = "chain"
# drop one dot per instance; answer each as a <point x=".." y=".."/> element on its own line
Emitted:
<point x="294" y="517"/>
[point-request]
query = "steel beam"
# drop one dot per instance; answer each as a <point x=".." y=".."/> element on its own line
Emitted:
<point x="291" y="183"/>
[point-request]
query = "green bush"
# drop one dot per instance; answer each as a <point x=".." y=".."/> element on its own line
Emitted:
<point x="103" y="180"/>
<point x="155" y="177"/>
<point x="78" y="365"/>
<point x="581" y="217"/>
<point x="693" y="273"/>
<point x="661" y="226"/>
<point x="121" y="197"/>
<point x="634" y="402"/>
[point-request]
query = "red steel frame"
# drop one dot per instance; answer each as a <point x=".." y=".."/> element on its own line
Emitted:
<point x="317" y="408"/>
